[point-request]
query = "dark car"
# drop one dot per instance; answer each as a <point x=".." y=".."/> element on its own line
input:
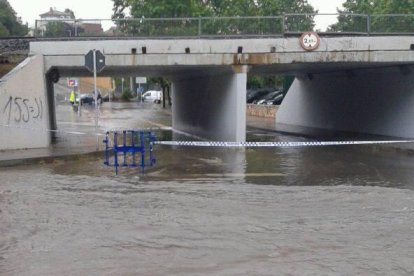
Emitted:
<point x="266" y="97"/>
<point x="88" y="98"/>
<point x="105" y="98"/>
<point x="85" y="99"/>
<point x="272" y="98"/>
<point x="255" y="95"/>
<point x="276" y="100"/>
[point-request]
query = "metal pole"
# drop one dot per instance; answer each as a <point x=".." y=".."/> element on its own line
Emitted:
<point x="96" y="98"/>
<point x="133" y="148"/>
<point x="116" y="152"/>
<point x="125" y="148"/>
<point x="140" y="92"/>
<point x="106" y="141"/>
<point x="113" y="89"/>
<point x="199" y="26"/>
<point x="78" y="95"/>
<point x="35" y="29"/>
<point x="369" y="24"/>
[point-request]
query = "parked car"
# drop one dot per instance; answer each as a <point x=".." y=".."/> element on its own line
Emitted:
<point x="274" y="97"/>
<point x="276" y="100"/>
<point x="152" y="96"/>
<point x="88" y="98"/>
<point x="105" y="98"/>
<point x="85" y="99"/>
<point x="255" y="95"/>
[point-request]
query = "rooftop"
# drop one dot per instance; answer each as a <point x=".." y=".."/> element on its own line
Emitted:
<point x="55" y="13"/>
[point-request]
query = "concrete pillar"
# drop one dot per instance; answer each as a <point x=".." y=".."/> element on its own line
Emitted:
<point x="372" y="101"/>
<point x="25" y="118"/>
<point x="51" y="105"/>
<point x="131" y="85"/>
<point x="211" y="106"/>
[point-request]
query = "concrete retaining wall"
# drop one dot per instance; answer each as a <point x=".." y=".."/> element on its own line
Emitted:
<point x="16" y="45"/>
<point x="259" y="110"/>
<point x="24" y="114"/>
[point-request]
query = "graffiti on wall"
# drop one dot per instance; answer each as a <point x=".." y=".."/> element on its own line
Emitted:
<point x="21" y="110"/>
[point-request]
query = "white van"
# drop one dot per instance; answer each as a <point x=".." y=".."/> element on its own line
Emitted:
<point x="152" y="96"/>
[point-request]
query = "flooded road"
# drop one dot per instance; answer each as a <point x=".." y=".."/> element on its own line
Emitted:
<point x="339" y="210"/>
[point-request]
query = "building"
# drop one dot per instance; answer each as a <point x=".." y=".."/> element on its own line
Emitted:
<point x="66" y="24"/>
<point x="55" y="15"/>
<point x="91" y="29"/>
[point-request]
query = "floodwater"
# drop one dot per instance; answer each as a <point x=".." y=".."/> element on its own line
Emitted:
<point x="338" y="210"/>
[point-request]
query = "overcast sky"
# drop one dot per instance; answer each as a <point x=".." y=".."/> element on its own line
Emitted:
<point x="30" y="10"/>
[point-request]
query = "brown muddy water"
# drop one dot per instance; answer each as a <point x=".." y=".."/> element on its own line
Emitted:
<point x="339" y="210"/>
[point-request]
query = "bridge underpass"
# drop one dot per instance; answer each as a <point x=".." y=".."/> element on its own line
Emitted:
<point x="354" y="84"/>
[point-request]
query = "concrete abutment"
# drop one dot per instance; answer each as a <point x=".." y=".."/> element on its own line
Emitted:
<point x="372" y="101"/>
<point x="213" y="106"/>
<point x="24" y="105"/>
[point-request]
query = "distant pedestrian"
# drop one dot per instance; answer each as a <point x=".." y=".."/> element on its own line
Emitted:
<point x="99" y="97"/>
<point x="72" y="97"/>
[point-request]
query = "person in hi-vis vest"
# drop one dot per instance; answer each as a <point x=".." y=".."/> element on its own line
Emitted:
<point x="72" y="97"/>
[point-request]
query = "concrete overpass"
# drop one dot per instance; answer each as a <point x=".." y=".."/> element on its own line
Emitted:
<point x="350" y="83"/>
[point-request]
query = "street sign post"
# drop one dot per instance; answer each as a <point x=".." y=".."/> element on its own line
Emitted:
<point x="95" y="63"/>
<point x="98" y="57"/>
<point x="72" y="82"/>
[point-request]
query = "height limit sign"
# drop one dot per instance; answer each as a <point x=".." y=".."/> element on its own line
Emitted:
<point x="94" y="60"/>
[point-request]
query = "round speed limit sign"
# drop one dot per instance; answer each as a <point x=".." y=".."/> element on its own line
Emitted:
<point x="309" y="41"/>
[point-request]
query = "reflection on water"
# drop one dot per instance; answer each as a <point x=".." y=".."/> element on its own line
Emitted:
<point x="312" y="166"/>
<point x="357" y="165"/>
<point x="200" y="214"/>
<point x="363" y="165"/>
<point x="213" y="211"/>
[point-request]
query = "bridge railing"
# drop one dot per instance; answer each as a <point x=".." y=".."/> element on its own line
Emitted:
<point x="252" y="26"/>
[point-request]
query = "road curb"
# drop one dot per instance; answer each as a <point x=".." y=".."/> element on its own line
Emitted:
<point x="50" y="159"/>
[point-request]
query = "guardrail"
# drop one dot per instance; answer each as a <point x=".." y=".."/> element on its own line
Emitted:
<point x="251" y="26"/>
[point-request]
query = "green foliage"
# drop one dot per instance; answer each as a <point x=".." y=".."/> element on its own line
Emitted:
<point x="142" y="9"/>
<point x="121" y="83"/>
<point x="72" y="14"/>
<point x="380" y="12"/>
<point x="3" y="30"/>
<point x="158" y="82"/>
<point x="55" y="29"/>
<point x="126" y="95"/>
<point x="167" y="8"/>
<point x="9" y="25"/>
<point x="393" y="23"/>
<point x="284" y="82"/>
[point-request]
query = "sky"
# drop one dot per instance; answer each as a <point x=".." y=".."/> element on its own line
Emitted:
<point x="29" y="10"/>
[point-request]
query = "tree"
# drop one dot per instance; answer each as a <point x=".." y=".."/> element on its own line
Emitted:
<point x="393" y="23"/>
<point x="350" y="19"/>
<point x="119" y="8"/>
<point x="55" y="29"/>
<point x="142" y="9"/>
<point x="72" y="14"/>
<point x="137" y="25"/>
<point x="9" y="23"/>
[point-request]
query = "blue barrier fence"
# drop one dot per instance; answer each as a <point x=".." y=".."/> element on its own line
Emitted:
<point x="122" y="148"/>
